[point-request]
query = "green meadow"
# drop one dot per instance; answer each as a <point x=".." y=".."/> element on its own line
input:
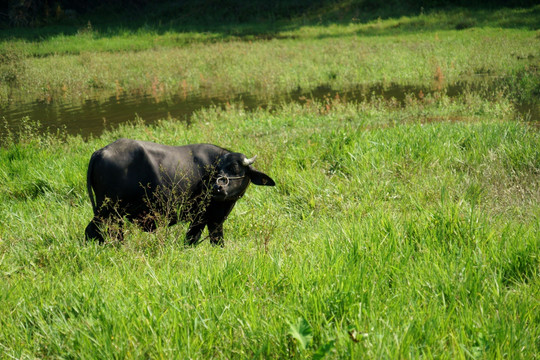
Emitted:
<point x="268" y="59"/>
<point x="395" y="230"/>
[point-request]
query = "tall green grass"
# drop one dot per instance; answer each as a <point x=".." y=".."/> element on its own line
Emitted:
<point x="392" y="233"/>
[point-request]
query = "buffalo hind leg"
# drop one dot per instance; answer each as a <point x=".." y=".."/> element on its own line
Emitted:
<point x="194" y="232"/>
<point x="97" y="228"/>
<point x="93" y="231"/>
<point x="216" y="233"/>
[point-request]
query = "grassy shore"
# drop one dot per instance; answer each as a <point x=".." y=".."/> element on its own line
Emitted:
<point x="434" y="49"/>
<point x="392" y="233"/>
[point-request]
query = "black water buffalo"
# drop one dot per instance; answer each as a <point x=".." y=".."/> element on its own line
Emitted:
<point x="146" y="183"/>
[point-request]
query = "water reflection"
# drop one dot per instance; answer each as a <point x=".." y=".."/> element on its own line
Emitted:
<point x="92" y="117"/>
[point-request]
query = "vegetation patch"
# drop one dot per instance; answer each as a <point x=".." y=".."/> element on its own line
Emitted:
<point x="385" y="235"/>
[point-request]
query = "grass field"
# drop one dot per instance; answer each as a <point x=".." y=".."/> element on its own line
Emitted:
<point x="391" y="233"/>
<point x="396" y="230"/>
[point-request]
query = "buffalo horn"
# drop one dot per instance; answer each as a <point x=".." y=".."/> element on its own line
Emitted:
<point x="248" y="162"/>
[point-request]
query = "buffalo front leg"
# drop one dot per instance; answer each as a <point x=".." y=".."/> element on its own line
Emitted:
<point x="216" y="233"/>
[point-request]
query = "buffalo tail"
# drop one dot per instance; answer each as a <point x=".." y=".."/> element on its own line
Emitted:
<point x="89" y="183"/>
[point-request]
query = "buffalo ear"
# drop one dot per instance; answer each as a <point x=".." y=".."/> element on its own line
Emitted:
<point x="260" y="178"/>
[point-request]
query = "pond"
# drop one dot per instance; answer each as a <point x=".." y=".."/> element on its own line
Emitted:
<point x="92" y="117"/>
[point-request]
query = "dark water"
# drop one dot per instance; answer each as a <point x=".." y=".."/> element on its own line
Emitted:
<point x="92" y="117"/>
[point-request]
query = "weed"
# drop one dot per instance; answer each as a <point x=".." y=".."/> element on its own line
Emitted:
<point x="12" y="65"/>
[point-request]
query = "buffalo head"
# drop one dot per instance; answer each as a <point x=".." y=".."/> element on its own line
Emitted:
<point x="234" y="172"/>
